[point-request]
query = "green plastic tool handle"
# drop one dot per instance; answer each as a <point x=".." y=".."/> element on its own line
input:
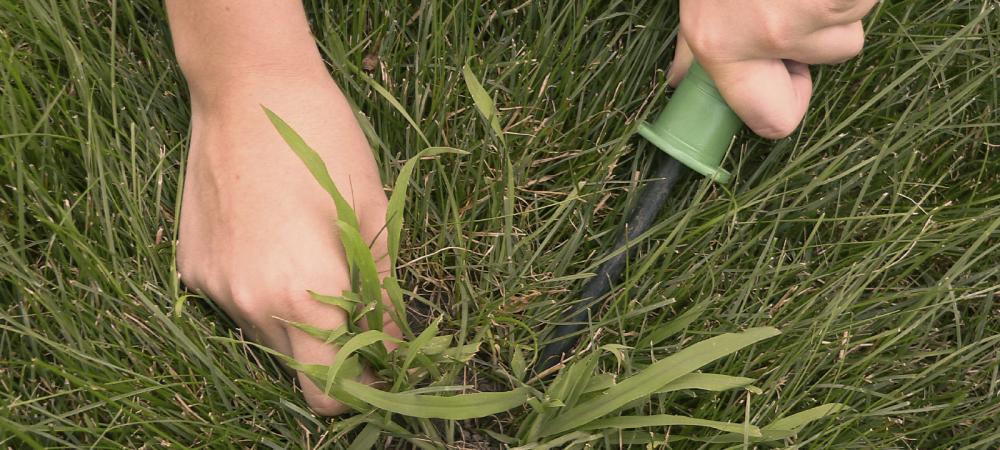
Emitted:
<point x="697" y="126"/>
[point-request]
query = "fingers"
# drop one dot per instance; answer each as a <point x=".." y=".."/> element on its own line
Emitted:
<point x="682" y="61"/>
<point x="829" y="45"/>
<point x="309" y="350"/>
<point x="770" y="96"/>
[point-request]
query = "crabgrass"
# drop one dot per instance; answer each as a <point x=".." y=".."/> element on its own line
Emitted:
<point x="871" y="238"/>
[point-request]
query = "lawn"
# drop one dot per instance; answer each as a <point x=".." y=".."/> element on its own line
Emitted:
<point x="870" y="238"/>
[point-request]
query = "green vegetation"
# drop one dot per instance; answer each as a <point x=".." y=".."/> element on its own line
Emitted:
<point x="869" y="239"/>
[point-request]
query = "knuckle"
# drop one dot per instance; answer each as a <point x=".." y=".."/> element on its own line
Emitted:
<point x="297" y="303"/>
<point x="775" y="36"/>
<point x="704" y="41"/>
<point x="248" y="302"/>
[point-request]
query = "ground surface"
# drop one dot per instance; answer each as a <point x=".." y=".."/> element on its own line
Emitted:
<point x="870" y="237"/>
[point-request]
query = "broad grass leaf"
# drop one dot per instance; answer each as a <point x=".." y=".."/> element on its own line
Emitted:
<point x="599" y="382"/>
<point x="416" y="346"/>
<point x="654" y="377"/>
<point x="348" y="301"/>
<point x="364" y="270"/>
<point x="354" y="344"/>
<point x="394" y="211"/>
<point x="483" y="101"/>
<point x="318" y="373"/>
<point x="325" y="335"/>
<point x="645" y="438"/>
<point x="461" y="353"/>
<point x="316" y="167"/>
<point x="569" y="385"/>
<point x="561" y="442"/>
<point x="666" y="420"/>
<point x="616" y="349"/>
<point x="518" y="366"/>
<point x="706" y="382"/>
<point x="366" y="439"/>
<point x="676" y="325"/>
<point x="783" y="428"/>
<point x="458" y="407"/>
<point x="436" y="345"/>
<point x="398" y="313"/>
<point x="788" y="426"/>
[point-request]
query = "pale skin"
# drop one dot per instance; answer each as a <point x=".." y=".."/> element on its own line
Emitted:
<point x="256" y="231"/>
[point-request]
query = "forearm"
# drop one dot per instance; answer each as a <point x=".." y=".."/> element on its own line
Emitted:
<point x="217" y="40"/>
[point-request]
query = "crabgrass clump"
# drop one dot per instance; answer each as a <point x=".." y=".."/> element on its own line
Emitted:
<point x="573" y="410"/>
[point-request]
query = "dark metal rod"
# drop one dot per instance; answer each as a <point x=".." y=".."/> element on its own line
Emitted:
<point x="645" y="211"/>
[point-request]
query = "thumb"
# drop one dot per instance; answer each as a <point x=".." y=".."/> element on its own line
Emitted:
<point x="770" y="95"/>
<point x="682" y="61"/>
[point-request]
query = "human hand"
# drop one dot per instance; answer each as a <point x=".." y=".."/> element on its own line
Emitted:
<point x="257" y="233"/>
<point x="758" y="52"/>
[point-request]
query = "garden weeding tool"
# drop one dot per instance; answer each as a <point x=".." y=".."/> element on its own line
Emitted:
<point x="695" y="129"/>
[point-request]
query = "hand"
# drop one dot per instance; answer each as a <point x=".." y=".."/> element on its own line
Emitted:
<point x="758" y="52"/>
<point x="257" y="232"/>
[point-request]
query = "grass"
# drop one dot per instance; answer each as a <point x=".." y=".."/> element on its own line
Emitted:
<point x="870" y="238"/>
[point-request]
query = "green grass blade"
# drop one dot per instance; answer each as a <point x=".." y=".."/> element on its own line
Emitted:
<point x="367" y="438"/>
<point x="382" y="91"/>
<point x="656" y="376"/>
<point x="785" y="426"/>
<point x="667" y="420"/>
<point x="348" y="303"/>
<point x="599" y="382"/>
<point x="677" y="325"/>
<point x="484" y="103"/>
<point x="416" y="346"/>
<point x="327" y="336"/>
<point x="458" y="407"/>
<point x="394" y="211"/>
<point x="395" y="293"/>
<point x="364" y="270"/>
<point x="354" y="344"/>
<point x="316" y="167"/>
<point x="706" y="382"/>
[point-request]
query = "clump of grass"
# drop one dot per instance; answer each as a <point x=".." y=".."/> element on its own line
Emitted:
<point x="572" y="410"/>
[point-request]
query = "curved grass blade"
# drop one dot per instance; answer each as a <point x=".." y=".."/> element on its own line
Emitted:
<point x="484" y="103"/>
<point x="458" y="407"/>
<point x="325" y="335"/>
<point x="706" y="382"/>
<point x="666" y="420"/>
<point x="394" y="211"/>
<point x="414" y="347"/>
<point x="674" y="326"/>
<point x="356" y="343"/>
<point x="395" y="104"/>
<point x="780" y="429"/>
<point x="363" y="271"/>
<point x="367" y="438"/>
<point x="789" y="426"/>
<point x="316" y="166"/>
<point x="654" y="377"/>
